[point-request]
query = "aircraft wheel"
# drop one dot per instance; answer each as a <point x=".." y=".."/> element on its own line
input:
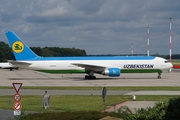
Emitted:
<point x="93" y="77"/>
<point x="90" y="77"/>
<point x="159" y="77"/>
<point x="86" y="77"/>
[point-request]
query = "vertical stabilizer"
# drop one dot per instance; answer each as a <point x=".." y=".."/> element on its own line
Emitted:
<point x="20" y="49"/>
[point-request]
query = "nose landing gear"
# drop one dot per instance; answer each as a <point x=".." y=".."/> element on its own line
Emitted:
<point x="159" y="76"/>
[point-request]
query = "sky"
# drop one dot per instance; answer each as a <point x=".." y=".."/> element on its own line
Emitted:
<point x="97" y="26"/>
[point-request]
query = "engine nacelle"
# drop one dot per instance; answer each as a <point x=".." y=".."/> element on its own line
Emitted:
<point x="112" y="72"/>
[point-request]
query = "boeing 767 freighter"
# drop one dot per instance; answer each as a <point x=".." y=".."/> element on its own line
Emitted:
<point x="111" y="66"/>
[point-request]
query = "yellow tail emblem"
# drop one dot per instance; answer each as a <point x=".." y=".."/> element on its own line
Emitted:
<point x="17" y="47"/>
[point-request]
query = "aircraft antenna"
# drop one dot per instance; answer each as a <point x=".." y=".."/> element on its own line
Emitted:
<point x="148" y="46"/>
<point x="170" y="39"/>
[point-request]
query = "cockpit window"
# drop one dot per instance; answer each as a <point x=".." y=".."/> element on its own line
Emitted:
<point x="166" y="61"/>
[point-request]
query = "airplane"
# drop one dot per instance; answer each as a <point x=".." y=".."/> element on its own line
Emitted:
<point x="111" y="66"/>
<point x="7" y="65"/>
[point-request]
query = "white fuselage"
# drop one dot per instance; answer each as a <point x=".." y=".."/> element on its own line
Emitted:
<point x="158" y="63"/>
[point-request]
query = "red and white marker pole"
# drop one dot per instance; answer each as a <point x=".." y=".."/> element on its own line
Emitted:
<point x="148" y="46"/>
<point x="170" y="59"/>
<point x="132" y="49"/>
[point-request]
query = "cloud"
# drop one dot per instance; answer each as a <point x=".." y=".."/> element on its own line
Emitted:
<point x="99" y="27"/>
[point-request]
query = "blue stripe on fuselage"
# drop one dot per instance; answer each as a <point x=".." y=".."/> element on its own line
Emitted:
<point x="96" y="58"/>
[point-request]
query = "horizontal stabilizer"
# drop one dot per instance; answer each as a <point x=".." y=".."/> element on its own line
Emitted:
<point x="19" y="64"/>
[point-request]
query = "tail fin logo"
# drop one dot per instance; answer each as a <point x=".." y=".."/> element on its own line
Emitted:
<point x="18" y="47"/>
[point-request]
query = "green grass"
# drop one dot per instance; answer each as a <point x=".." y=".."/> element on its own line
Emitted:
<point x="176" y="62"/>
<point x="168" y="88"/>
<point x="75" y="103"/>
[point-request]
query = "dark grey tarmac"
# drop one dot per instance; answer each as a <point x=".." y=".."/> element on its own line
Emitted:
<point x="34" y="78"/>
<point x="6" y="115"/>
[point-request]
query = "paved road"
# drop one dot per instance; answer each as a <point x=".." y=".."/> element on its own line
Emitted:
<point x="4" y="92"/>
<point x="6" y="114"/>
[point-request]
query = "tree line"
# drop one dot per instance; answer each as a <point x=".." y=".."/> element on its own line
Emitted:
<point x="6" y="52"/>
<point x="56" y="51"/>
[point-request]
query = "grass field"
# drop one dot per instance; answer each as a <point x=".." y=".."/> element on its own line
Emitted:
<point x="80" y="103"/>
<point x="75" y="103"/>
<point x="176" y="62"/>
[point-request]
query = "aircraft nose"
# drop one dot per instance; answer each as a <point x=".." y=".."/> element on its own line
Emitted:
<point x="171" y="65"/>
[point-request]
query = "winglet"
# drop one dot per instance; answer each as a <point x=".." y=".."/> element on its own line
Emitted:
<point x="20" y="49"/>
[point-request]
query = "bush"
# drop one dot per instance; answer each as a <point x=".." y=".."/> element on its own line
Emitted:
<point x="173" y="109"/>
<point x="68" y="116"/>
<point x="155" y="113"/>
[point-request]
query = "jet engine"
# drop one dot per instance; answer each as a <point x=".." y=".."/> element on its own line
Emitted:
<point x="112" y="72"/>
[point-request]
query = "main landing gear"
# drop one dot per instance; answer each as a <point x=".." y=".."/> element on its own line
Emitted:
<point x="90" y="75"/>
<point x="159" y="76"/>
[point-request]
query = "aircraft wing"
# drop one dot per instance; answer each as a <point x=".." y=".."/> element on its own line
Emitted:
<point x="97" y="68"/>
